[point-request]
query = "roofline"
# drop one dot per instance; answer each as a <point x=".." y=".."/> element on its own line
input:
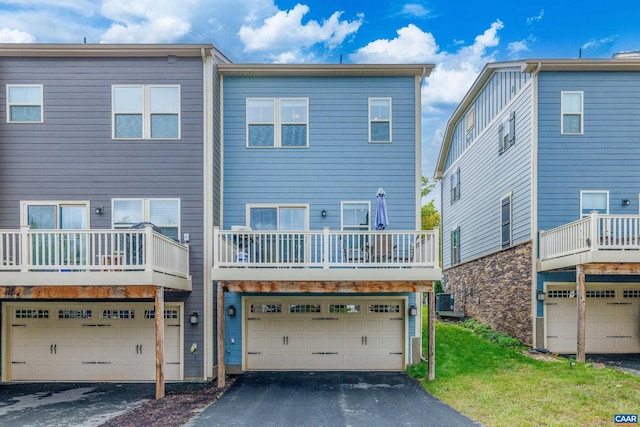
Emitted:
<point x="248" y="70"/>
<point x="105" y="50"/>
<point x="609" y="64"/>
<point x="484" y="76"/>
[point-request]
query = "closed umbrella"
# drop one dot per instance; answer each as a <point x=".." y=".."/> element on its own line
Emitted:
<point x="382" y="220"/>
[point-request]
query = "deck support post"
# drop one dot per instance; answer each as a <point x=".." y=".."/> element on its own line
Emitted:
<point x="220" y="316"/>
<point x="432" y="335"/>
<point x="581" y="297"/>
<point x="159" y="315"/>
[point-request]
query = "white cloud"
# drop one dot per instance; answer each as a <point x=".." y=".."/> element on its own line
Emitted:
<point x="283" y="35"/>
<point x="515" y="48"/>
<point x="599" y="42"/>
<point x="8" y="35"/>
<point x="411" y="46"/>
<point x="148" y="21"/>
<point x="534" y="19"/>
<point x="83" y="7"/>
<point x="414" y="9"/>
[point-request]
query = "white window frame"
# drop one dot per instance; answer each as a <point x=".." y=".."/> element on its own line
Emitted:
<point x="277" y="123"/>
<point x="146" y="211"/>
<point x="509" y="196"/>
<point x="24" y="209"/>
<point x="146" y="111"/>
<point x="563" y="113"/>
<point x="344" y="227"/>
<point x="582" y="192"/>
<point x="18" y="104"/>
<point x="278" y="206"/>
<point x="373" y="120"/>
<point x="470" y="119"/>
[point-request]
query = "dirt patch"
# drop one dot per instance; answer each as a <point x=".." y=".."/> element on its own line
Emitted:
<point x="546" y="356"/>
<point x="182" y="402"/>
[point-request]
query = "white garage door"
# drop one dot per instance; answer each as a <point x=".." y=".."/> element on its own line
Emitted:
<point x="322" y="334"/>
<point x="90" y="341"/>
<point x="612" y="318"/>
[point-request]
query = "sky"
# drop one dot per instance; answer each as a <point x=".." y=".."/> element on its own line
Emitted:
<point x="458" y="37"/>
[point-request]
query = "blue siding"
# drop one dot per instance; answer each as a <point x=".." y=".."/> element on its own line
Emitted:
<point x="339" y="165"/>
<point x="605" y="157"/>
<point x="486" y="176"/>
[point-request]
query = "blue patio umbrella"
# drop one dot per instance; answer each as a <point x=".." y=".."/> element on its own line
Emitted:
<point x="382" y="220"/>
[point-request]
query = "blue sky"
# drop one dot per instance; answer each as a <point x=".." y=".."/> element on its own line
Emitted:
<point x="459" y="37"/>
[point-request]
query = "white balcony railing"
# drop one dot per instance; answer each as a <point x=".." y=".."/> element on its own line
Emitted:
<point x="28" y="250"/>
<point x="592" y="233"/>
<point x="325" y="249"/>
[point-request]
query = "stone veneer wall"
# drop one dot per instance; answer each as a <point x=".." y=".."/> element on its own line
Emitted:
<point x="496" y="290"/>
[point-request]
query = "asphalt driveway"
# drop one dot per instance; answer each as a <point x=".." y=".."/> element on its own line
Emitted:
<point x="328" y="399"/>
<point x="626" y="362"/>
<point x="68" y="404"/>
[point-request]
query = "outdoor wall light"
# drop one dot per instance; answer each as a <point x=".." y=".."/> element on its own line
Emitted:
<point x="194" y="319"/>
<point x="323" y="213"/>
<point x="413" y="310"/>
<point x="541" y="296"/>
<point x="232" y="311"/>
<point x="626" y="202"/>
<point x="99" y="210"/>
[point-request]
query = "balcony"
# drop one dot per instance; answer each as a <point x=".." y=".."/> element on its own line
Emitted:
<point x="593" y="239"/>
<point x="326" y="256"/>
<point x="92" y="258"/>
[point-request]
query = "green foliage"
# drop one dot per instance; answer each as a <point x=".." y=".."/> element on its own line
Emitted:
<point x="485" y="331"/>
<point x="426" y="186"/>
<point x="430" y="217"/>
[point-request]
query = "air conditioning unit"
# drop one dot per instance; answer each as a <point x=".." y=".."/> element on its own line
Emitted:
<point x="444" y="302"/>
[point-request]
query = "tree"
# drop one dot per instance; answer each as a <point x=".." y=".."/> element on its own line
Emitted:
<point x="430" y="217"/>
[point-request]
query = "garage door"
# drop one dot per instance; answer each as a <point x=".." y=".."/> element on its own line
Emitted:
<point x="320" y="334"/>
<point x="612" y="318"/>
<point x="90" y="341"/>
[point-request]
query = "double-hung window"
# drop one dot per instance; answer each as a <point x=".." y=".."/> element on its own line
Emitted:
<point x="572" y="106"/>
<point x="164" y="213"/>
<point x="594" y="200"/>
<point x="24" y="104"/>
<point x="455" y="246"/>
<point x="380" y="120"/>
<point x="277" y="122"/>
<point x="507" y="133"/>
<point x="455" y="186"/>
<point x="146" y="111"/>
<point x="505" y="220"/>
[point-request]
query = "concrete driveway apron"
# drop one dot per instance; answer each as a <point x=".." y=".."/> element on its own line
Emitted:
<point x="328" y="399"/>
<point x="67" y="404"/>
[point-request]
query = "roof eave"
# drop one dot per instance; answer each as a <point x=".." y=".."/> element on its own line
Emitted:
<point x="530" y="65"/>
<point x="103" y="50"/>
<point x="283" y="70"/>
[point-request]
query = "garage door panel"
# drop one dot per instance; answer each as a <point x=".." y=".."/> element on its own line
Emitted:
<point x="335" y="338"/>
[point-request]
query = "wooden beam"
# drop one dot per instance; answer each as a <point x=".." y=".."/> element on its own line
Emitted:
<point x="611" y="268"/>
<point x="77" y="292"/>
<point x="582" y="302"/>
<point x="159" y="306"/>
<point x="220" y="317"/>
<point x="432" y="337"/>
<point x="328" y="287"/>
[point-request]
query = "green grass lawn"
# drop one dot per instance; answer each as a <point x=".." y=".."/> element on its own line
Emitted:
<point x="503" y="387"/>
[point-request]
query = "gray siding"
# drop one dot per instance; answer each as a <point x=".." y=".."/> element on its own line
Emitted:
<point x="339" y="165"/>
<point x="605" y="157"/>
<point x="486" y="176"/>
<point x="71" y="156"/>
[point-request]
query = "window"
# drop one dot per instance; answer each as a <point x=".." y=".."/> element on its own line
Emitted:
<point x="277" y="122"/>
<point x="594" y="201"/>
<point x="470" y="119"/>
<point x="163" y="213"/>
<point x="355" y="216"/>
<point x="146" y="112"/>
<point x="572" y="109"/>
<point x="379" y="119"/>
<point x="507" y="133"/>
<point x="455" y="246"/>
<point x="24" y="104"/>
<point x="275" y="217"/>
<point x="54" y="215"/>
<point x="505" y="222"/>
<point x="455" y="186"/>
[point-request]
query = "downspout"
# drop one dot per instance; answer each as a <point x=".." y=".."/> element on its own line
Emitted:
<point x="534" y="210"/>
